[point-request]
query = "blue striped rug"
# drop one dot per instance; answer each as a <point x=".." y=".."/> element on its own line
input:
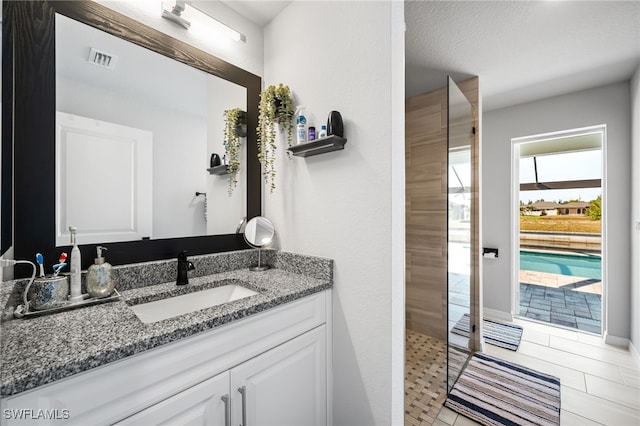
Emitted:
<point x="495" y="333"/>
<point x="494" y="392"/>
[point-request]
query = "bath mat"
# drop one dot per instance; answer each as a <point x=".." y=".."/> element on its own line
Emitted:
<point x="495" y="333"/>
<point x="492" y="391"/>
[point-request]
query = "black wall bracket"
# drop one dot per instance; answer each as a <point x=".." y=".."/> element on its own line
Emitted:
<point x="490" y="252"/>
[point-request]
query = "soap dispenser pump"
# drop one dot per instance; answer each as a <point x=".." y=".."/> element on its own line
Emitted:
<point x="99" y="276"/>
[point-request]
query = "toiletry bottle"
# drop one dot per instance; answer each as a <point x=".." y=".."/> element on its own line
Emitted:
<point x="323" y="132"/>
<point x="99" y="277"/>
<point x="312" y="133"/>
<point x="75" y="266"/>
<point x="301" y="129"/>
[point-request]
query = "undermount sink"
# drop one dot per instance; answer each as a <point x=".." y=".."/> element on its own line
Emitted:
<point x="179" y="305"/>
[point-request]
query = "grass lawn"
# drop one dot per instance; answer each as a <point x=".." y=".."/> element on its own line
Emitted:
<point x="573" y="223"/>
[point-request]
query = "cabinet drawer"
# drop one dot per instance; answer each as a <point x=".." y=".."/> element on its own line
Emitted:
<point x="112" y="392"/>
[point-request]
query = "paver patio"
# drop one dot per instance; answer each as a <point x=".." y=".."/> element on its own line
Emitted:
<point x="574" y="302"/>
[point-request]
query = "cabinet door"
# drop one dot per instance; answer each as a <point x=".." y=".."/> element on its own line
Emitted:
<point x="284" y="386"/>
<point x="201" y="404"/>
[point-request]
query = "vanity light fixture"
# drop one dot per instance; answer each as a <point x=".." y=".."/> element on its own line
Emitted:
<point x="190" y="17"/>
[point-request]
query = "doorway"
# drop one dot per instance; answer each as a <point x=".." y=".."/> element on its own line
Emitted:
<point x="558" y="203"/>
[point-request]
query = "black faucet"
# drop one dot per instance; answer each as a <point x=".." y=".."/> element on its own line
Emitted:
<point x="183" y="267"/>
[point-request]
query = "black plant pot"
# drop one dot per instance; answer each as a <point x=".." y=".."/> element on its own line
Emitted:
<point x="334" y="124"/>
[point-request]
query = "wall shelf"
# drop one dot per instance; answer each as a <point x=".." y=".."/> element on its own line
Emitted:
<point x="319" y="146"/>
<point x="218" y="170"/>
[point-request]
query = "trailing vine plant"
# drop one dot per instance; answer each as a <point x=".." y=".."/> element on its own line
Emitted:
<point x="233" y="120"/>
<point x="276" y="107"/>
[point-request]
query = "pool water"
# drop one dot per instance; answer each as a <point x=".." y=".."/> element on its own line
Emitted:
<point x="562" y="264"/>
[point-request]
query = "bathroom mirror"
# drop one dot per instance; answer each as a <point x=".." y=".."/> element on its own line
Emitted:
<point x="29" y="148"/>
<point x="259" y="233"/>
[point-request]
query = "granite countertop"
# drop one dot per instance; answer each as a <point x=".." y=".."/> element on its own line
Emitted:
<point x="47" y="348"/>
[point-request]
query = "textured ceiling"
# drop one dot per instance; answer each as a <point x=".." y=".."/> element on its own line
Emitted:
<point x="521" y="50"/>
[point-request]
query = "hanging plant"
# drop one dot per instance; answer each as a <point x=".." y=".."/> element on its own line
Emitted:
<point x="276" y="107"/>
<point x="235" y="121"/>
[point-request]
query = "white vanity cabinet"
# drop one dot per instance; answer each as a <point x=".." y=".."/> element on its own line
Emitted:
<point x="278" y="357"/>
<point x="284" y="386"/>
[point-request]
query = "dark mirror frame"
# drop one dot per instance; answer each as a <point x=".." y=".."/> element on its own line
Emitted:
<point x="29" y="123"/>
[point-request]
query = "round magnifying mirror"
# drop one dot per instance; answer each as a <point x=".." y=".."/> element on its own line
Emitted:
<point x="259" y="233"/>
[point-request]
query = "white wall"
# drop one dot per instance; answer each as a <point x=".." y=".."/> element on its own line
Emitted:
<point x="349" y="205"/>
<point x="603" y="105"/>
<point x="635" y="214"/>
<point x="248" y="56"/>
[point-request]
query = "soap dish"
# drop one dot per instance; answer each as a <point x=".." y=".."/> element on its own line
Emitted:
<point x="86" y="301"/>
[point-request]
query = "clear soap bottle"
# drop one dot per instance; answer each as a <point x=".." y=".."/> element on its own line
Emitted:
<point x="99" y="276"/>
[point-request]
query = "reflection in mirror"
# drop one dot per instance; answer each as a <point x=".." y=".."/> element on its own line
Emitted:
<point x="259" y="233"/>
<point x="135" y="132"/>
<point x="459" y="139"/>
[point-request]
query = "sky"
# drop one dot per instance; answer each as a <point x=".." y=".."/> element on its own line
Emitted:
<point x="561" y="167"/>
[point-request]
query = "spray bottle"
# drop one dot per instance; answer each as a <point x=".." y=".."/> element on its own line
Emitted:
<point x="301" y="126"/>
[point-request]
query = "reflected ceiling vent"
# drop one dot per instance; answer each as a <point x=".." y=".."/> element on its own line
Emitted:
<point x="102" y="59"/>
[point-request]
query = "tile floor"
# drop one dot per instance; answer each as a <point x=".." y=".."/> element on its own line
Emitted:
<point x="600" y="384"/>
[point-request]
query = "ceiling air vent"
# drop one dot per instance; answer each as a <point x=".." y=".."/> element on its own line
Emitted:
<point x="102" y="59"/>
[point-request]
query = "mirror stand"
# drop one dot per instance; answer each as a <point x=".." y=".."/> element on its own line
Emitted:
<point x="259" y="233"/>
<point x="259" y="267"/>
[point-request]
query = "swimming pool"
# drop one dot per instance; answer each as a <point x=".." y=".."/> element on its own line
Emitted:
<point x="562" y="264"/>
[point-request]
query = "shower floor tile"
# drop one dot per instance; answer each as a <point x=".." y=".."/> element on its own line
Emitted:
<point x="425" y="377"/>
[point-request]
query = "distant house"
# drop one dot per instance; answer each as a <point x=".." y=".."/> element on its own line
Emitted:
<point x="550" y="208"/>
<point x="574" y="207"/>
